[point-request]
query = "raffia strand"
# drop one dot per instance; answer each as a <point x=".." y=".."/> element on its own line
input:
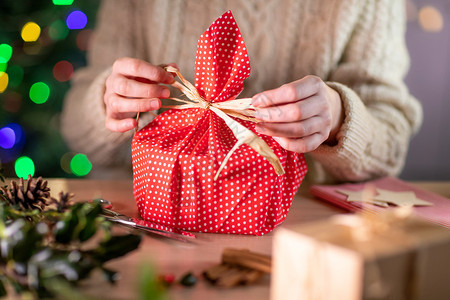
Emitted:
<point x="238" y="108"/>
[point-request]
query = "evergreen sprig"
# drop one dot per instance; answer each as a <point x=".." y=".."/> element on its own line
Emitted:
<point x="44" y="253"/>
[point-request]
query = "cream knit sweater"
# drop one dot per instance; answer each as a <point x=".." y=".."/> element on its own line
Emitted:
<point x="356" y="46"/>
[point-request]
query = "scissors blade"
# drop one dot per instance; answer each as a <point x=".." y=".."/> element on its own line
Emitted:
<point x="159" y="232"/>
<point x="143" y="223"/>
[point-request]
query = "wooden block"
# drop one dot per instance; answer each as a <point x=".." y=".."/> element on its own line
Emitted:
<point x="326" y="260"/>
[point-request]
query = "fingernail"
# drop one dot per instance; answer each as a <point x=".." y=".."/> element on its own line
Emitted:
<point x="256" y="101"/>
<point x="258" y="129"/>
<point x="165" y="93"/>
<point x="154" y="104"/>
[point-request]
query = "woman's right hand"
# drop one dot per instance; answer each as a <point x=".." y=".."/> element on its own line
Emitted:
<point x="133" y="86"/>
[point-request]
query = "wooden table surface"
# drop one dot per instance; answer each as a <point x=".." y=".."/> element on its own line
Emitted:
<point x="172" y="257"/>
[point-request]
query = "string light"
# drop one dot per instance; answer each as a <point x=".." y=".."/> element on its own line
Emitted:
<point x="24" y="166"/>
<point x="63" y="71"/>
<point x="80" y="165"/>
<point x="58" y="30"/>
<point x="30" y="32"/>
<point x="3" y="67"/>
<point x="430" y="19"/>
<point x="5" y="53"/>
<point x="76" y="20"/>
<point x="62" y="2"/>
<point x="7" y="138"/>
<point x="4" y="79"/>
<point x="18" y="131"/>
<point x="39" y="92"/>
<point x="65" y="162"/>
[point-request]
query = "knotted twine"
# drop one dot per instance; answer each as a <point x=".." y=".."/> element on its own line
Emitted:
<point x="238" y="108"/>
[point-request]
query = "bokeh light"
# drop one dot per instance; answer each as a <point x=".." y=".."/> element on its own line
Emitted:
<point x="39" y="92"/>
<point x="83" y="39"/>
<point x="32" y="48"/>
<point x="58" y="30"/>
<point x="30" y="32"/>
<point x="12" y="101"/>
<point x="4" y="79"/>
<point x="7" y="138"/>
<point x="5" y="53"/>
<point x="411" y="10"/>
<point x="24" y="166"/>
<point x="62" y="2"/>
<point x="18" y="131"/>
<point x="76" y="20"/>
<point x="430" y="19"/>
<point x="3" y="67"/>
<point x="80" y="165"/>
<point x="65" y="162"/>
<point x="15" y="75"/>
<point x="63" y="71"/>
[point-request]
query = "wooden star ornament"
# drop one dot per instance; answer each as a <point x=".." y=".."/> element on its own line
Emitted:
<point x="382" y="197"/>
<point x="365" y="195"/>
<point x="400" y="198"/>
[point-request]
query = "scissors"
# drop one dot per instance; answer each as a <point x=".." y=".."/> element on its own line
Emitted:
<point x="130" y="222"/>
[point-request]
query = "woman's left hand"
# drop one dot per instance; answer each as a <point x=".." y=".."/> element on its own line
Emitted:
<point x="300" y="115"/>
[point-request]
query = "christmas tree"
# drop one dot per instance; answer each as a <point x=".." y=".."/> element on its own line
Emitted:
<point x="42" y="42"/>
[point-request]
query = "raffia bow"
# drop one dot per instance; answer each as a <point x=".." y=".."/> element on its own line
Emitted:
<point x="239" y="108"/>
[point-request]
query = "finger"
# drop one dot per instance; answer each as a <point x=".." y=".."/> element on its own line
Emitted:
<point x="292" y="112"/>
<point x="302" y="145"/>
<point x="118" y="104"/>
<point x="139" y="68"/>
<point x="294" y="129"/>
<point x="171" y="64"/>
<point x="294" y="91"/>
<point x="120" y="125"/>
<point x="133" y="88"/>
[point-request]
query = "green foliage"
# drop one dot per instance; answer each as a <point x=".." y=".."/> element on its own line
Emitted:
<point x="149" y="285"/>
<point x="45" y="253"/>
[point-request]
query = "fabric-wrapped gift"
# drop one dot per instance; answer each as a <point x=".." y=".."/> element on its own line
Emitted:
<point x="387" y="256"/>
<point x="201" y="166"/>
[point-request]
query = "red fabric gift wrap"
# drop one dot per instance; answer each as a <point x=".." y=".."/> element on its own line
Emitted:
<point x="177" y="155"/>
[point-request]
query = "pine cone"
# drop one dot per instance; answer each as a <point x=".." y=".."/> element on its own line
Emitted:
<point x="64" y="201"/>
<point x="33" y="196"/>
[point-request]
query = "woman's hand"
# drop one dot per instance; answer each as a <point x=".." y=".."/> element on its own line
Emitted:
<point x="133" y="86"/>
<point x="300" y="115"/>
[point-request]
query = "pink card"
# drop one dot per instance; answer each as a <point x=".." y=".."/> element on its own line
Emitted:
<point x="438" y="213"/>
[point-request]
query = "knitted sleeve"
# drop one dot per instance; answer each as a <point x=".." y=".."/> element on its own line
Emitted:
<point x="83" y="116"/>
<point x="380" y="114"/>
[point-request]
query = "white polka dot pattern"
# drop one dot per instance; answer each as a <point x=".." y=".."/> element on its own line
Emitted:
<point x="176" y="156"/>
<point x="222" y="62"/>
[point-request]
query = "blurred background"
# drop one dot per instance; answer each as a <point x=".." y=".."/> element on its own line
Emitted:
<point x="42" y="42"/>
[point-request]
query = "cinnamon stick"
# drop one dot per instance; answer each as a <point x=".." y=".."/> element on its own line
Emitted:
<point x="215" y="272"/>
<point x="248" y="259"/>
